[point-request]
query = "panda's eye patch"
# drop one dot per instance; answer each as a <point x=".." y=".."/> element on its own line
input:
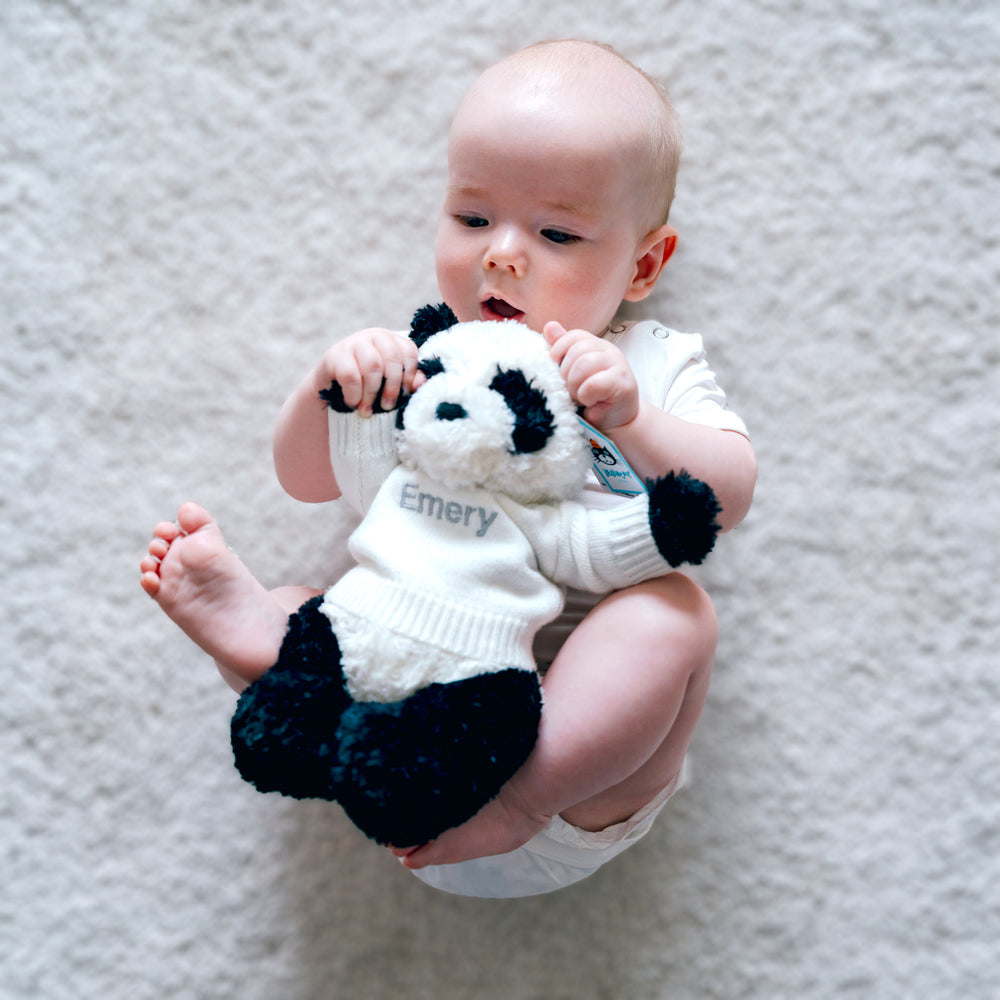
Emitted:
<point x="532" y="419"/>
<point x="430" y="367"/>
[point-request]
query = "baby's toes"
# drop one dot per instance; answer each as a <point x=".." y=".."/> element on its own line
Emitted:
<point x="150" y="579"/>
<point x="151" y="564"/>
<point x="166" y="531"/>
<point x="158" y="548"/>
<point x="192" y="518"/>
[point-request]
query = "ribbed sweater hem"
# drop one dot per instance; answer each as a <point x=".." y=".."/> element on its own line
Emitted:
<point x="446" y="624"/>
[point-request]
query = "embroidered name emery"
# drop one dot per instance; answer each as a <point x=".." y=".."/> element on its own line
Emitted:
<point x="449" y="510"/>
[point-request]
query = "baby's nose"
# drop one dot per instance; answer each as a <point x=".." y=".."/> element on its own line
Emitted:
<point x="505" y="250"/>
<point x="451" y="411"/>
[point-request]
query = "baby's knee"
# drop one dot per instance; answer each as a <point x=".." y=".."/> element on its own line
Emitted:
<point x="686" y="613"/>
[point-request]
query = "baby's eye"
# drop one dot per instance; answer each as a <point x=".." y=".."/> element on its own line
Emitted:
<point x="472" y="221"/>
<point x="558" y="236"/>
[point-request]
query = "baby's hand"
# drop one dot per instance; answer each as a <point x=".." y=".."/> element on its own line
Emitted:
<point x="369" y="361"/>
<point x="597" y="374"/>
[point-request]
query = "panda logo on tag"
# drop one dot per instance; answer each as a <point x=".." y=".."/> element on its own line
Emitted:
<point x="611" y="469"/>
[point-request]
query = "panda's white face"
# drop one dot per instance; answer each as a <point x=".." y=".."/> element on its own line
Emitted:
<point x="494" y="413"/>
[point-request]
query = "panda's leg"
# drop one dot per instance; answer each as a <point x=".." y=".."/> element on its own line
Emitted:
<point x="413" y="768"/>
<point x="284" y="727"/>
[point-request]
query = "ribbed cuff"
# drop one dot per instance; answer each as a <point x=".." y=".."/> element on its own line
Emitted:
<point x="632" y="544"/>
<point x="352" y="435"/>
<point x="362" y="454"/>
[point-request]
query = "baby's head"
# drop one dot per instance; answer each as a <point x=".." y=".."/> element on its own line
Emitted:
<point x="601" y="85"/>
<point x="562" y="160"/>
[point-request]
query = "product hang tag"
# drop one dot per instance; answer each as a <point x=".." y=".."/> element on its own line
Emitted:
<point x="611" y="469"/>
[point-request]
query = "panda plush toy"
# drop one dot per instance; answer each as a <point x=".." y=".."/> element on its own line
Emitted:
<point x="408" y="691"/>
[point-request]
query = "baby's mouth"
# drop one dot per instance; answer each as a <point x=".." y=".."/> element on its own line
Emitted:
<point x="499" y="309"/>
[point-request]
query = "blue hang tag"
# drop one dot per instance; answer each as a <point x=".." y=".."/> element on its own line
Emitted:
<point x="611" y="469"/>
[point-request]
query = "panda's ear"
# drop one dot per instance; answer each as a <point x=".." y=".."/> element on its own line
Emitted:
<point x="429" y="320"/>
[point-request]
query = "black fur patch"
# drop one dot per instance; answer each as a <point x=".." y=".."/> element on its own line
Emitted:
<point x="334" y="398"/>
<point x="429" y="320"/>
<point x="451" y="411"/>
<point x="283" y="728"/>
<point x="400" y="410"/>
<point x="430" y="367"/>
<point x="682" y="512"/>
<point x="411" y="769"/>
<point x="533" y="424"/>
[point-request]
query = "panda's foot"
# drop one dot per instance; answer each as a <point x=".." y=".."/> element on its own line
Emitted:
<point x="409" y="770"/>
<point x="205" y="589"/>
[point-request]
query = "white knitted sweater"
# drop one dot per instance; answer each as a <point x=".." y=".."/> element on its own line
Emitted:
<point x="455" y="582"/>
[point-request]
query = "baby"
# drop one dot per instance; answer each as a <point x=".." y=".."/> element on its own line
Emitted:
<point x="561" y="167"/>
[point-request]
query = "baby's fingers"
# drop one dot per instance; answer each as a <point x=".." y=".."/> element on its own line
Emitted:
<point x="558" y="338"/>
<point x="566" y="346"/>
<point x="552" y="331"/>
<point x="400" y="373"/>
<point x="371" y="373"/>
<point x="396" y="369"/>
<point x="372" y="367"/>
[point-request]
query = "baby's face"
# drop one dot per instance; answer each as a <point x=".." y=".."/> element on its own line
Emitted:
<point x="542" y="219"/>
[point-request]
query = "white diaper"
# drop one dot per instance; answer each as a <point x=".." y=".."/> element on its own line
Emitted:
<point x="558" y="856"/>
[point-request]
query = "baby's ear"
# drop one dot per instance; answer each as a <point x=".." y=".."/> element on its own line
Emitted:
<point x="654" y="252"/>
<point x="429" y="320"/>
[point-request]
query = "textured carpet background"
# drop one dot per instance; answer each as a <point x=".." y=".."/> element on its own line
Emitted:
<point x="196" y="197"/>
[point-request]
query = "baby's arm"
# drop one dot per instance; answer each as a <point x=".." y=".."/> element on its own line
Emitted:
<point x="363" y="364"/>
<point x="653" y="442"/>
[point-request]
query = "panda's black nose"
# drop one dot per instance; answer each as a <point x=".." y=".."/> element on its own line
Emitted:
<point x="450" y="411"/>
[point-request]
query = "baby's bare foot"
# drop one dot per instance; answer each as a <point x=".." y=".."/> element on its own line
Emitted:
<point x="211" y="595"/>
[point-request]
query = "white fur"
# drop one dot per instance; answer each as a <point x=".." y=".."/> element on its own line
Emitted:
<point x="382" y="665"/>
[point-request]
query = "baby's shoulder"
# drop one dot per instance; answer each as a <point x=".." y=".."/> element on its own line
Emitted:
<point x="650" y="342"/>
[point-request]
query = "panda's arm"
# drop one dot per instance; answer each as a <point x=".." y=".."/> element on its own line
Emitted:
<point x="639" y="539"/>
<point x="362" y="454"/>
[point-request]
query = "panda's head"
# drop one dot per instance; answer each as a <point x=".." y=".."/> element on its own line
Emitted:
<point x="493" y="413"/>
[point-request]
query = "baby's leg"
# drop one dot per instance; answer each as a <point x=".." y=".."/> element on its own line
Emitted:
<point x="214" y="598"/>
<point x="622" y="698"/>
<point x="632" y="677"/>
